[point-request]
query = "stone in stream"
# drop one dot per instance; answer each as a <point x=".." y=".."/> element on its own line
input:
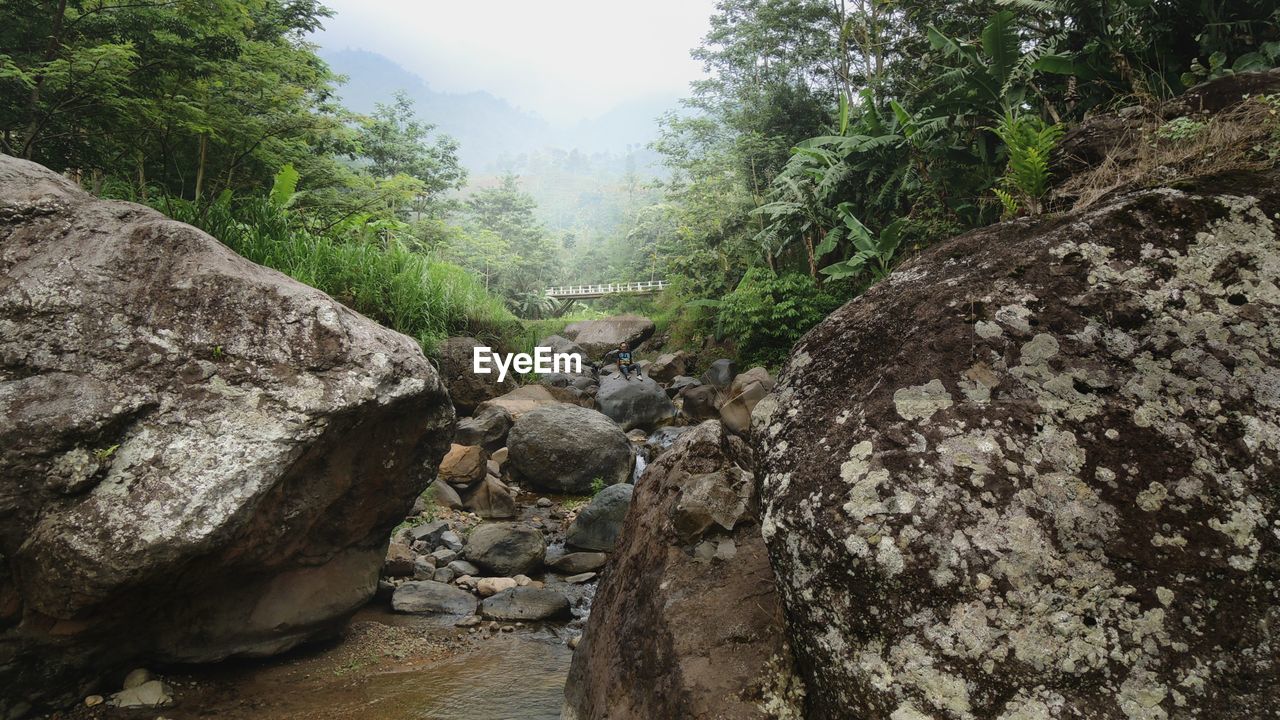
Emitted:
<point x="429" y="596"/>
<point x="202" y="458"/>
<point x="463" y="465"/>
<point x="597" y="337"/>
<point x="578" y="562"/>
<point x="491" y="499"/>
<point x="598" y="524"/>
<point x="563" y="448"/>
<point x="637" y="402"/>
<point x="671" y="637"/>
<point x="488" y="428"/>
<point x="506" y="548"/>
<point x="1037" y="468"/>
<point x="399" y="561"/>
<point x="526" y="604"/>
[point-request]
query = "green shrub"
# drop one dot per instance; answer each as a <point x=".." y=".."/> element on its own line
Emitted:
<point x="766" y="314"/>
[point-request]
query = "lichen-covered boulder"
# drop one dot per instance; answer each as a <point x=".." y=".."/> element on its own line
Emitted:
<point x="1033" y="473"/>
<point x="564" y="448"/>
<point x="674" y="636"/>
<point x="199" y="457"/>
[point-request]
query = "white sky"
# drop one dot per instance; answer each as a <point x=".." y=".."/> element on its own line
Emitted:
<point x="562" y="59"/>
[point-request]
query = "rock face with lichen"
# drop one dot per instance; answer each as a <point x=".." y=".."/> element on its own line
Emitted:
<point x="199" y="457"/>
<point x="1034" y="473"/>
<point x="686" y="622"/>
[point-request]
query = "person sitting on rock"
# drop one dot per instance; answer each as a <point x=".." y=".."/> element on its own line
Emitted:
<point x="625" y="359"/>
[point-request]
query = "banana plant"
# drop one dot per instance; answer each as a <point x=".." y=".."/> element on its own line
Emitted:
<point x="872" y="253"/>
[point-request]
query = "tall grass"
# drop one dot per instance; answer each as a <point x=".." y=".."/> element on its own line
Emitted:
<point x="423" y="298"/>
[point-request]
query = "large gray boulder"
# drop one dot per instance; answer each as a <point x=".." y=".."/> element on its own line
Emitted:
<point x="430" y="597"/>
<point x="596" y="337"/>
<point x="560" y="345"/>
<point x="597" y="525"/>
<point x="199" y="457"/>
<point x="525" y="604"/>
<point x="563" y="448"/>
<point x="467" y="388"/>
<point x="687" y="623"/>
<point x="506" y="549"/>
<point x="1033" y="473"/>
<point x="668" y="366"/>
<point x="488" y="428"/>
<point x="635" y="402"/>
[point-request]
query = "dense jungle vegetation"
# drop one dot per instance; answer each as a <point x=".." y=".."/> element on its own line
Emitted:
<point x="830" y="139"/>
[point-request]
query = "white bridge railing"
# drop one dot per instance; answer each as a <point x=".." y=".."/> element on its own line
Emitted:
<point x="600" y="290"/>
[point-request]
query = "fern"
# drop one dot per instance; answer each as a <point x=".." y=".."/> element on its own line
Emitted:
<point x="1030" y="143"/>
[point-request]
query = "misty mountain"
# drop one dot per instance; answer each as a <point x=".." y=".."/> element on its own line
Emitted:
<point x="491" y="131"/>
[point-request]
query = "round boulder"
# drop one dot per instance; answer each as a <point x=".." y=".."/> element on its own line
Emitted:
<point x="506" y="548"/>
<point x="563" y="448"/>
<point x="635" y="402"/>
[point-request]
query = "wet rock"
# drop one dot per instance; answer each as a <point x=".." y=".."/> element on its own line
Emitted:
<point x="488" y="428"/>
<point x="207" y="413"/>
<point x="598" y="524"/>
<point x="429" y="596"/>
<point x="579" y="562"/>
<point x="596" y="337"/>
<point x="671" y="637"/>
<point x="720" y="373"/>
<point x="463" y="465"/>
<point x="526" y="604"/>
<point x="1017" y="474"/>
<point x="635" y="402"/>
<point x="506" y="548"/>
<point x="562" y="448"/>
<point x="491" y="500"/>
<point x="399" y="562"/>
<point x="467" y="388"/>
<point x="668" y="366"/>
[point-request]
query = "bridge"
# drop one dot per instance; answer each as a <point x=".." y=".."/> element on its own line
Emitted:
<point x="588" y="292"/>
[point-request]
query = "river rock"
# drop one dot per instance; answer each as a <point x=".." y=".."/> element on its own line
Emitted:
<point x="720" y="373"/>
<point x="491" y="500"/>
<point x="597" y="337"/>
<point x="700" y="402"/>
<point x="1036" y="468"/>
<point x="429" y="596"/>
<point x="744" y="395"/>
<point x="560" y="345"/>
<point x="637" y="402"/>
<point x="578" y="562"/>
<point x="525" y="604"/>
<point x="201" y="457"/>
<point x="562" y="448"/>
<point x="487" y="586"/>
<point x="463" y="465"/>
<point x="462" y="567"/>
<point x="488" y="428"/>
<point x="527" y="398"/>
<point x="399" y="561"/>
<point x="671" y="637"/>
<point x="663" y="438"/>
<point x="668" y="366"/>
<point x="597" y="525"/>
<point x="680" y="383"/>
<point x="506" y="548"/>
<point x="445" y="495"/>
<point x="429" y="532"/>
<point x="466" y="387"/>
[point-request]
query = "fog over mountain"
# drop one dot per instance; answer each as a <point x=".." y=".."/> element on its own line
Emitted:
<point x="493" y="132"/>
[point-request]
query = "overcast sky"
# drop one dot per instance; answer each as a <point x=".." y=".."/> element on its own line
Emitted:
<point x="562" y="59"/>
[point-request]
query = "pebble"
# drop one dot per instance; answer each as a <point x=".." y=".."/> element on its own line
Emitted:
<point x="93" y="700"/>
